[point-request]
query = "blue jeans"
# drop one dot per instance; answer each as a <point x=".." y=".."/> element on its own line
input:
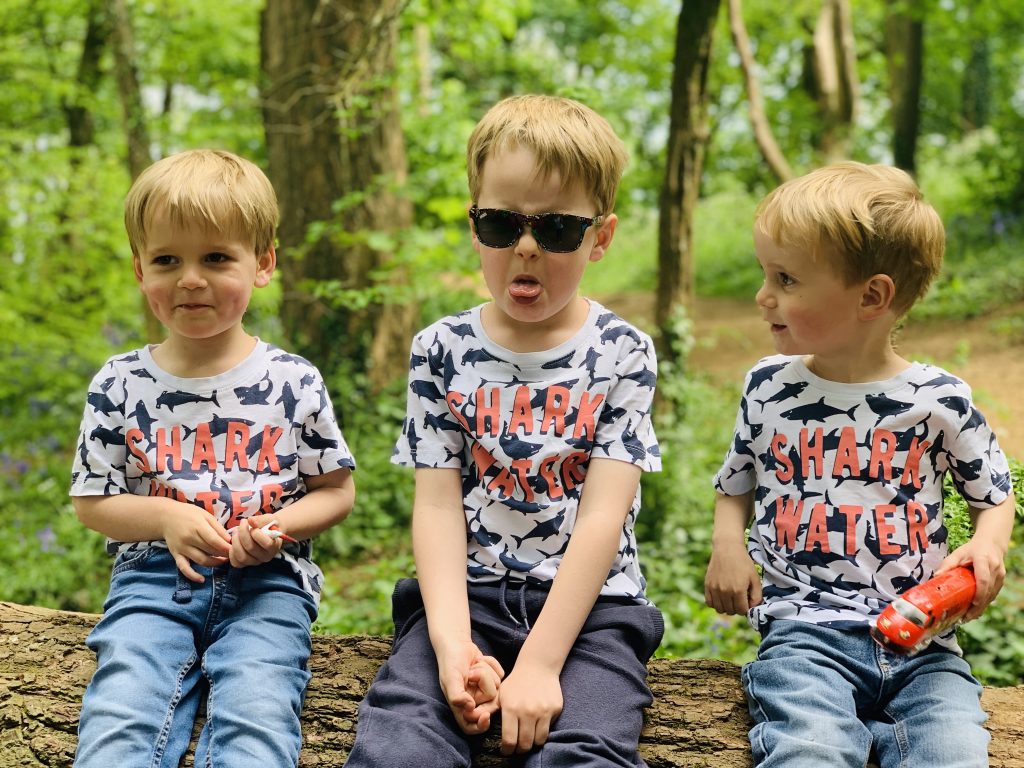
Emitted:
<point x="405" y="722"/>
<point x="825" y="697"/>
<point x="242" y="638"/>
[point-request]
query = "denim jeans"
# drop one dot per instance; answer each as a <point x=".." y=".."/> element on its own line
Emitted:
<point x="242" y="639"/>
<point x="405" y="722"/>
<point x="825" y="697"/>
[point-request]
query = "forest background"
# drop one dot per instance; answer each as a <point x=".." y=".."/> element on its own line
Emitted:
<point x="360" y="111"/>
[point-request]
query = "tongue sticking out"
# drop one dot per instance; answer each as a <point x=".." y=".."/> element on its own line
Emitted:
<point x="524" y="289"/>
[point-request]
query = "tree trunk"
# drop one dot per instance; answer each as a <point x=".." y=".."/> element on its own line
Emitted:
<point x="976" y="88"/>
<point x="136" y="129"/>
<point x="763" y="134"/>
<point x="837" y="87"/>
<point x="337" y="157"/>
<point x="687" y="141"/>
<point x="81" y="127"/>
<point x="904" y="53"/>
<point x="78" y="116"/>
<point x="699" y="717"/>
<point x="134" y="115"/>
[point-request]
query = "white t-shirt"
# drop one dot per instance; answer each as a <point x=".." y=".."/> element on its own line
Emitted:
<point x="847" y="482"/>
<point x="522" y="428"/>
<point x="238" y="444"/>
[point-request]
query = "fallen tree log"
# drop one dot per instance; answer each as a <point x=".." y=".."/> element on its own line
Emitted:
<point x="698" y="719"/>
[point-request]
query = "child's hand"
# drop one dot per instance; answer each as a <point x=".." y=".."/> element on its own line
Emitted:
<point x="193" y="535"/>
<point x="989" y="572"/>
<point x="250" y="545"/>
<point x="469" y="681"/>
<point x="732" y="584"/>
<point x="531" y="699"/>
<point x="482" y="684"/>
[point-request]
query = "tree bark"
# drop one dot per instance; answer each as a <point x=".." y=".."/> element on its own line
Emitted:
<point x="904" y="54"/>
<point x="763" y="134"/>
<point x="687" y="142"/>
<point x="77" y="112"/>
<point x="136" y="129"/>
<point x="837" y="86"/>
<point x="134" y="117"/>
<point x="337" y="157"/>
<point x="976" y="87"/>
<point x="699" y="717"/>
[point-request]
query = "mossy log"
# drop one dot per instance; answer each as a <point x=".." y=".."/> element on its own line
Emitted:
<point x="698" y="718"/>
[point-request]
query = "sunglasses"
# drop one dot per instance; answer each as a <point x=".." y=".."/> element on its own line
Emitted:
<point x="554" y="232"/>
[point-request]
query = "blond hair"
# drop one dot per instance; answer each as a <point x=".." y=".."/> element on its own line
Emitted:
<point x="208" y="188"/>
<point x="867" y="219"/>
<point x="565" y="137"/>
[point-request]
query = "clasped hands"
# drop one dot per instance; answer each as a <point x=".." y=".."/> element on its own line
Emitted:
<point x="475" y="687"/>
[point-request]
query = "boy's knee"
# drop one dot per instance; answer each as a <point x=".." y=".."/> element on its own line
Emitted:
<point x="387" y="737"/>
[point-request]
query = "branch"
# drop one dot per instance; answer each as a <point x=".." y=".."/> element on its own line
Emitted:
<point x="758" y="118"/>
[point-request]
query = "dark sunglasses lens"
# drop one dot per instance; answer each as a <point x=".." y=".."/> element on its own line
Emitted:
<point x="497" y="229"/>
<point x="558" y="233"/>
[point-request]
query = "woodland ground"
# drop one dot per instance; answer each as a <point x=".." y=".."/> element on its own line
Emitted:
<point x="730" y="337"/>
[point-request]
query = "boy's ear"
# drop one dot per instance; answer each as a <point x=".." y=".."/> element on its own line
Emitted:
<point x="877" y="297"/>
<point x="605" y="233"/>
<point x="137" y="267"/>
<point x="265" y="265"/>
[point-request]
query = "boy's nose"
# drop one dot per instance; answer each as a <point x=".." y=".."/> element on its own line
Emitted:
<point x="191" y="278"/>
<point x="764" y="297"/>
<point x="526" y="246"/>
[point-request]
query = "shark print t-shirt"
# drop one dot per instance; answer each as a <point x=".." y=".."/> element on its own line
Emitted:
<point x="522" y="428"/>
<point x="237" y="444"/>
<point x="847" y="482"/>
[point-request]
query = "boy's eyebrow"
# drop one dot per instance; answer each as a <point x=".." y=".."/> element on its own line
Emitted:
<point x="208" y="246"/>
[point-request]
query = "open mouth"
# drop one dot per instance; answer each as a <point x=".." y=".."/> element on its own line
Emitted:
<point x="524" y="287"/>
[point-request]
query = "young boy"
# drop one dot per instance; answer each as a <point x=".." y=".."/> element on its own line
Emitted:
<point x="839" y="455"/>
<point x="529" y="425"/>
<point x="209" y="461"/>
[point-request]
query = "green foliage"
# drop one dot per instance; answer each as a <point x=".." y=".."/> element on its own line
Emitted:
<point x="993" y="643"/>
<point x="69" y="299"/>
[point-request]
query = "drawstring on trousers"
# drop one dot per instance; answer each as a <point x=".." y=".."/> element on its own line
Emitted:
<point x="502" y="596"/>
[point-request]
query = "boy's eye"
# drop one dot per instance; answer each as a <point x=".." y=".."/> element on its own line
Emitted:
<point x="217" y="257"/>
<point x="163" y="260"/>
<point x="785" y="280"/>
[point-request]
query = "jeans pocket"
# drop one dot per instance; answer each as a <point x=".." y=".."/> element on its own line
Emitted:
<point x="132" y="560"/>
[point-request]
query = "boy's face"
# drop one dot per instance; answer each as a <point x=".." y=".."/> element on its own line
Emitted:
<point x="529" y="284"/>
<point x="198" y="281"/>
<point x="811" y="309"/>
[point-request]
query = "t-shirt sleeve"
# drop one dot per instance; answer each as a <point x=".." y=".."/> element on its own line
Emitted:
<point x="625" y="429"/>
<point x="99" y="463"/>
<point x="977" y="464"/>
<point x="322" y="447"/>
<point x="737" y="473"/>
<point x="430" y="435"/>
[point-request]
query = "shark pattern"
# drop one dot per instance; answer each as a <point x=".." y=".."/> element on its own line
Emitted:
<point x="522" y="429"/>
<point x="847" y="482"/>
<point x="231" y="447"/>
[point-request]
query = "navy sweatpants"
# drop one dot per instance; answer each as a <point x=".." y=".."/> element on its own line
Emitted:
<point x="404" y="719"/>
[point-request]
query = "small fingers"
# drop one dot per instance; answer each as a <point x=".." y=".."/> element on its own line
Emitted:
<point x="185" y="566"/>
<point x="526" y="740"/>
<point x="252" y="546"/>
<point x="509" y="734"/>
<point x="540" y="734"/>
